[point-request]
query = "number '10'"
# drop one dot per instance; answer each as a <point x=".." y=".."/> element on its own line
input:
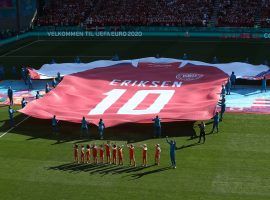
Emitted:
<point x="129" y="107"/>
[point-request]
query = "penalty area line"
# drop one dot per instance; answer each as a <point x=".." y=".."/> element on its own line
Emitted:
<point x="14" y="127"/>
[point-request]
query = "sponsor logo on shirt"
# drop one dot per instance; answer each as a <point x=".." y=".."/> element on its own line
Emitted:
<point x="188" y="76"/>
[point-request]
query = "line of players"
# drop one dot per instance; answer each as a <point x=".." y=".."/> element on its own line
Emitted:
<point x="113" y="153"/>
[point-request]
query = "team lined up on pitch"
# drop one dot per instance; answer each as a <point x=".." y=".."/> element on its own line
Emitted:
<point x="114" y="154"/>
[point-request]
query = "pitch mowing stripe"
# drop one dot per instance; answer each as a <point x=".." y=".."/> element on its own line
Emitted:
<point x="14" y="127"/>
<point x="19" y="48"/>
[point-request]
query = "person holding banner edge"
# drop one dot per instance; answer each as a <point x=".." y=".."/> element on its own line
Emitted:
<point x="157" y="126"/>
<point x="101" y="127"/>
<point x="84" y="127"/>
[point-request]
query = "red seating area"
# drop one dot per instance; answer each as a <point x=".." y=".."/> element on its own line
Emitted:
<point x="265" y="14"/>
<point x="126" y="12"/>
<point x="237" y="13"/>
<point x="152" y="12"/>
<point x="92" y="13"/>
<point x="65" y="12"/>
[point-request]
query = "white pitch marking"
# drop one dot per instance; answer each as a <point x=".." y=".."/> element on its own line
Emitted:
<point x="19" y="48"/>
<point x="14" y="127"/>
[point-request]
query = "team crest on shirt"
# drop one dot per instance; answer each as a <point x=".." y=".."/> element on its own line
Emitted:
<point x="188" y="76"/>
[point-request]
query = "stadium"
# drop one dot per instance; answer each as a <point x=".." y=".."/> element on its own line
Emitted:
<point x="157" y="99"/>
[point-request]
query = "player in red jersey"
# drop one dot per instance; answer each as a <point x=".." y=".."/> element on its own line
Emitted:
<point x="114" y="151"/>
<point x="101" y="154"/>
<point x="82" y="154"/>
<point x="144" y="155"/>
<point x="132" y="160"/>
<point x="120" y="155"/>
<point x="95" y="150"/>
<point x="108" y="152"/>
<point x="157" y="154"/>
<point x="87" y="154"/>
<point x="76" y="152"/>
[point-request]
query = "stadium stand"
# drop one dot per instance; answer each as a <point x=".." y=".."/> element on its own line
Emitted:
<point x="239" y="13"/>
<point x="90" y="14"/>
<point x="116" y="13"/>
<point x="64" y="13"/>
<point x="265" y="14"/>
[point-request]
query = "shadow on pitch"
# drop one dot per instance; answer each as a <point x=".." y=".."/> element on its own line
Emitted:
<point x="106" y="169"/>
<point x="70" y="132"/>
<point x="140" y="175"/>
<point x="188" y="146"/>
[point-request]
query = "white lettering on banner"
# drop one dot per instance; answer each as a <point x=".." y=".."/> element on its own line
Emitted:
<point x="129" y="107"/>
<point x="114" y="81"/>
<point x="154" y="83"/>
<point x="163" y="98"/>
<point x="133" y="84"/>
<point x="107" y="102"/>
<point x="142" y="83"/>
<point x="177" y="84"/>
<point x="165" y="83"/>
<point x="151" y="84"/>
<point x="125" y="82"/>
<point x="94" y="34"/>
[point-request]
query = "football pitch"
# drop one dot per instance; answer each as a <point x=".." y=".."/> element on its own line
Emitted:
<point x="34" y="52"/>
<point x="232" y="164"/>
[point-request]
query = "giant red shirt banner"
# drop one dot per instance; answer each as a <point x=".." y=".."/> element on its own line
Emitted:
<point x="126" y="94"/>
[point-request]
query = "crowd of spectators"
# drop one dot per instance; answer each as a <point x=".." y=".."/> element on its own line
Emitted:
<point x="237" y="13"/>
<point x="152" y="12"/>
<point x="100" y="13"/>
<point x="65" y="12"/>
<point x="91" y="13"/>
<point x="265" y="14"/>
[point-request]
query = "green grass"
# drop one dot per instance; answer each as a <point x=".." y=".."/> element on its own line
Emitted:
<point x="233" y="164"/>
<point x="35" y="53"/>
